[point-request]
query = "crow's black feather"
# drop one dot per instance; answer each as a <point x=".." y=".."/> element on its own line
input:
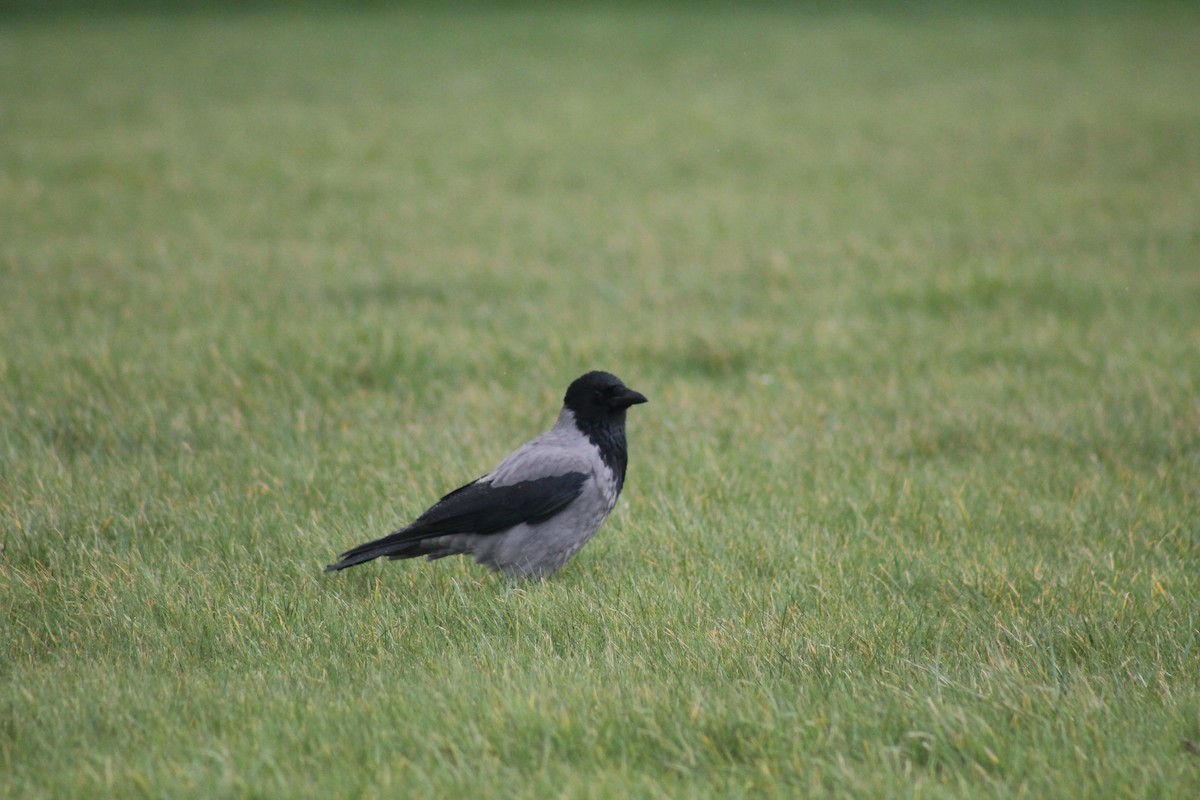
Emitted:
<point x="478" y="508"/>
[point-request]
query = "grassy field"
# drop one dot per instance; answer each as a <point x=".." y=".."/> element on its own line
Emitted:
<point x="914" y="510"/>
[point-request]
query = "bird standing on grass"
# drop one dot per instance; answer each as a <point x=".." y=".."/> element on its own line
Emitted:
<point x="534" y="511"/>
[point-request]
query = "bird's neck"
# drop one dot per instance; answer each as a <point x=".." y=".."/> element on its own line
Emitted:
<point x="608" y="436"/>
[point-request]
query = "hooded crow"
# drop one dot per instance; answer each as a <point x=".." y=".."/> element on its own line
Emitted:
<point x="534" y="511"/>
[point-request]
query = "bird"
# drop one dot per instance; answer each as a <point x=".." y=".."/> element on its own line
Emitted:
<point x="540" y="505"/>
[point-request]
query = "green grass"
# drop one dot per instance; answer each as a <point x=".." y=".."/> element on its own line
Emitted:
<point x="914" y="510"/>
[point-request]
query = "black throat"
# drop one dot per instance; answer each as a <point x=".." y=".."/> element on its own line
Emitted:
<point x="608" y="435"/>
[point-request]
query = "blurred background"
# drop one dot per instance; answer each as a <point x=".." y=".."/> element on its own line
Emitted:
<point x="912" y="288"/>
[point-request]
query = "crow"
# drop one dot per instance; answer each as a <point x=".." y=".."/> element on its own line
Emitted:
<point x="543" y="502"/>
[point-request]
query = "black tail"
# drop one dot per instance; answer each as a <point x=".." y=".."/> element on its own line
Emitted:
<point x="398" y="545"/>
<point x="350" y="558"/>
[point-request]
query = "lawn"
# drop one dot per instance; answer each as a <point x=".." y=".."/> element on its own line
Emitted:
<point x="914" y="290"/>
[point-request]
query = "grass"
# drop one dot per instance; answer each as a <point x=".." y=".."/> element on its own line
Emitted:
<point x="912" y="511"/>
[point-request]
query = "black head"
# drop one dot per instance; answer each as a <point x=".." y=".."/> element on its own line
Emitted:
<point x="598" y="401"/>
<point x="599" y="397"/>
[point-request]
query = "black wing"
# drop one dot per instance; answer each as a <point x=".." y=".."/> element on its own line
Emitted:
<point x="478" y="508"/>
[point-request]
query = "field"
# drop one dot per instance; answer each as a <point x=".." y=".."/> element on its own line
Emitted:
<point x="913" y="511"/>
